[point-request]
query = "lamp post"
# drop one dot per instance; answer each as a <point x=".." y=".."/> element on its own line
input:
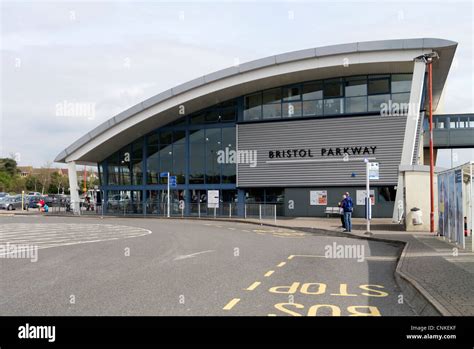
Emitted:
<point x="428" y="59"/>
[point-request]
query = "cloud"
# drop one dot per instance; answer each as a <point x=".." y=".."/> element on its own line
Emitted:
<point x="115" y="54"/>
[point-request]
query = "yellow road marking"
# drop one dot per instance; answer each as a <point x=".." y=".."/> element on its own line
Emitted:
<point x="370" y="258"/>
<point x="281" y="264"/>
<point x="272" y="314"/>
<point x="253" y="286"/>
<point x="231" y="304"/>
<point x="291" y="257"/>
<point x="268" y="273"/>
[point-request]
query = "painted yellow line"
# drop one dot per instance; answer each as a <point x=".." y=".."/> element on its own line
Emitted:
<point x="253" y="286"/>
<point x="272" y="314"/>
<point x="291" y="257"/>
<point x="281" y="264"/>
<point x="268" y="273"/>
<point x="231" y="304"/>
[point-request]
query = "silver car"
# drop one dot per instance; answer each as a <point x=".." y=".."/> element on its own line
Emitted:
<point x="11" y="203"/>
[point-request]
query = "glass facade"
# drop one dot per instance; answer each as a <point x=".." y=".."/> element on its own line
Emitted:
<point x="192" y="148"/>
<point x="330" y="97"/>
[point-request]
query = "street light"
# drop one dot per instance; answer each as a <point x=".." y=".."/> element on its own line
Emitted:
<point x="428" y="59"/>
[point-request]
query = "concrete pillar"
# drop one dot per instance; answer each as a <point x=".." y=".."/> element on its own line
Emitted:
<point x="73" y="187"/>
<point x="426" y="156"/>
<point x="240" y="202"/>
<point x="411" y="129"/>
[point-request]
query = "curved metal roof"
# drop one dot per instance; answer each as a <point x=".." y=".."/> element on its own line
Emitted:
<point x="320" y="52"/>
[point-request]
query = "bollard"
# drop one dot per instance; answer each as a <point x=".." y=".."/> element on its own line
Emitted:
<point x="230" y="210"/>
<point x="260" y="212"/>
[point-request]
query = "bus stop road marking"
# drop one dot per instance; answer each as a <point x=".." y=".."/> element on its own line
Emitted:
<point x="231" y="304"/>
<point x="253" y="286"/>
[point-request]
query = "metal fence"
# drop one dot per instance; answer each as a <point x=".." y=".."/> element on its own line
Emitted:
<point x="160" y="209"/>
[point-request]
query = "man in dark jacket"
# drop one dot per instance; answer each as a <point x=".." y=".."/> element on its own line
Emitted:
<point x="348" y="207"/>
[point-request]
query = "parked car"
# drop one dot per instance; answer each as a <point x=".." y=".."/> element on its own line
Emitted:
<point x="11" y="203"/>
<point x="34" y="193"/>
<point x="3" y="194"/>
<point x="31" y="201"/>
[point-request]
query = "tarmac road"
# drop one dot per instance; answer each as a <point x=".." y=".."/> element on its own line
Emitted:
<point x="135" y="266"/>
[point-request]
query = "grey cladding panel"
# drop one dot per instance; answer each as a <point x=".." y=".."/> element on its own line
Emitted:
<point x="385" y="133"/>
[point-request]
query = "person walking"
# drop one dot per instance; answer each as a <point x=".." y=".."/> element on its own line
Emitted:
<point x="348" y="207"/>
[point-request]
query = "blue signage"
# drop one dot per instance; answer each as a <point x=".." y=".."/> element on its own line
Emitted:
<point x="173" y="181"/>
<point x="164" y="174"/>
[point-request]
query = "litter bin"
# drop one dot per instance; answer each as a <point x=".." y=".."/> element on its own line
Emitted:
<point x="416" y="216"/>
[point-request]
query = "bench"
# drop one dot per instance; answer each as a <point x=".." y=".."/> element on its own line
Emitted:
<point x="331" y="211"/>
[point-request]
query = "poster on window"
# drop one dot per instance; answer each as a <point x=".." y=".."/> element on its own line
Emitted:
<point x="318" y="197"/>
<point x="361" y="195"/>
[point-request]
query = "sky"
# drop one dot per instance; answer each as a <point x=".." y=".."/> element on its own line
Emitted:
<point x="103" y="57"/>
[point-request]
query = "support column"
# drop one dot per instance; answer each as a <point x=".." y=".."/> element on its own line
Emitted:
<point x="73" y="187"/>
<point x="411" y="129"/>
<point x="240" y="202"/>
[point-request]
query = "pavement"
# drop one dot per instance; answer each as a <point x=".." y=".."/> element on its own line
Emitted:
<point x="137" y="266"/>
<point x="436" y="276"/>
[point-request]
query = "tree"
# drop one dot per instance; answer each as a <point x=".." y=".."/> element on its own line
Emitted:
<point x="8" y="166"/>
<point x="58" y="184"/>
<point x="31" y="183"/>
<point x="44" y="175"/>
<point x="5" y="181"/>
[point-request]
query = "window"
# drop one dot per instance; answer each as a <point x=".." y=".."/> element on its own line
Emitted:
<point x="356" y="86"/>
<point x="197" y="156"/>
<point x="229" y="142"/>
<point x="212" y="116"/>
<point x="333" y="88"/>
<point x="377" y="102"/>
<point x="271" y="103"/>
<point x="440" y="123"/>
<point x="453" y="123"/>
<point x="401" y="83"/>
<point x="113" y="169"/>
<point x="378" y="84"/>
<point x="356" y="105"/>
<point x="464" y="122"/>
<point x="152" y="161"/>
<point x="312" y="91"/>
<point x="333" y="106"/>
<point x="228" y="114"/>
<point x="272" y="111"/>
<point x="313" y="108"/>
<point x="179" y="162"/>
<point x="213" y="145"/>
<point x="253" y="107"/>
<point x="102" y="178"/>
<point x="125" y="165"/>
<point x="400" y="101"/>
<point x="272" y="96"/>
<point x="199" y="118"/>
<point x="291" y="94"/>
<point x="292" y="109"/>
<point x="137" y="161"/>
